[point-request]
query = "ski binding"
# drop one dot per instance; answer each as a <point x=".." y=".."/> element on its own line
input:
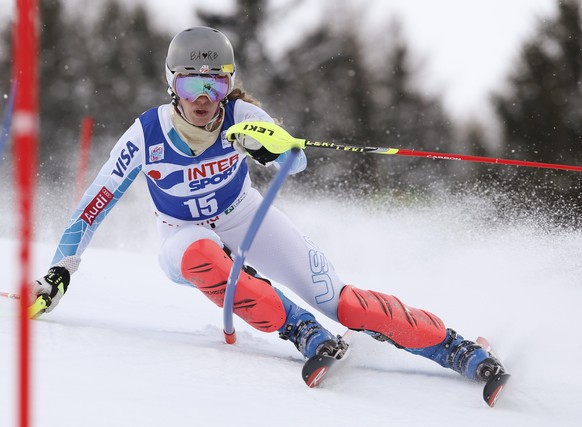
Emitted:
<point x="317" y="367"/>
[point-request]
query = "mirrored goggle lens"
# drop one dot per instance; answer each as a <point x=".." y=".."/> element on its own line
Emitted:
<point x="192" y="86"/>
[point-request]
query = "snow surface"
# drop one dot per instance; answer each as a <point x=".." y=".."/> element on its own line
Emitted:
<point x="126" y="347"/>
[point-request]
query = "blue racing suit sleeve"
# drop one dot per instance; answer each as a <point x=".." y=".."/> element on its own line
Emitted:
<point x="112" y="181"/>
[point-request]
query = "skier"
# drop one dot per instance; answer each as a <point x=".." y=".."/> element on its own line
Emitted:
<point x="203" y="202"/>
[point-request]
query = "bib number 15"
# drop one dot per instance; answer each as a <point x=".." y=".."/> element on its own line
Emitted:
<point x="203" y="206"/>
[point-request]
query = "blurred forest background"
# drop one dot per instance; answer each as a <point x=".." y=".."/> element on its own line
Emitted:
<point x="330" y="87"/>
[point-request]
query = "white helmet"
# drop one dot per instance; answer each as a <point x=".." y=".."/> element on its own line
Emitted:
<point x="199" y="50"/>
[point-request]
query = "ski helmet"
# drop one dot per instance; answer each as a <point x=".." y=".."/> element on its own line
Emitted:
<point x="200" y="50"/>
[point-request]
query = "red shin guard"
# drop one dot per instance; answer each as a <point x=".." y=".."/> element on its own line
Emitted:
<point x="373" y="311"/>
<point x="206" y="266"/>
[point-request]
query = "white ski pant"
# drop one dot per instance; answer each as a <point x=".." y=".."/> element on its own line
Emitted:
<point x="279" y="252"/>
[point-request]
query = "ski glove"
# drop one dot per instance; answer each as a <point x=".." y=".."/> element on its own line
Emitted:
<point x="245" y="144"/>
<point x="53" y="285"/>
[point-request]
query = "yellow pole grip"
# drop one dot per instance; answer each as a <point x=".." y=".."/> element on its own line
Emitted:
<point x="39" y="306"/>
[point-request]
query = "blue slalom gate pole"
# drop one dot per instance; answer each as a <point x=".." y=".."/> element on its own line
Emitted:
<point x="276" y="184"/>
<point x="7" y="119"/>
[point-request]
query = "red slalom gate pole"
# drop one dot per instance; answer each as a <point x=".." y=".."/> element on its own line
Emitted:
<point x="85" y="147"/>
<point x="25" y="133"/>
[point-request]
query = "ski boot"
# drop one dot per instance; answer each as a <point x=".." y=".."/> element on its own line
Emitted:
<point x="310" y="338"/>
<point x="466" y="357"/>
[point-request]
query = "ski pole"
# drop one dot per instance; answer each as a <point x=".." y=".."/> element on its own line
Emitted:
<point x="9" y="295"/>
<point x="277" y="140"/>
<point x="276" y="184"/>
<point x="39" y="306"/>
<point x="36" y="309"/>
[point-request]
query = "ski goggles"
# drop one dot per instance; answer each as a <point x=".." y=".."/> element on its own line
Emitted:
<point x="191" y="86"/>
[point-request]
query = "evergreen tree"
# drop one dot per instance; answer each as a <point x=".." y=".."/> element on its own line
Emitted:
<point x="126" y="76"/>
<point x="325" y="98"/>
<point x="61" y="62"/>
<point x="110" y="68"/>
<point x="541" y="111"/>
<point x="404" y="117"/>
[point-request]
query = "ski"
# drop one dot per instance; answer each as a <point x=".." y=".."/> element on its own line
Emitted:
<point x="316" y="368"/>
<point x="36" y="309"/>
<point x="494" y="385"/>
